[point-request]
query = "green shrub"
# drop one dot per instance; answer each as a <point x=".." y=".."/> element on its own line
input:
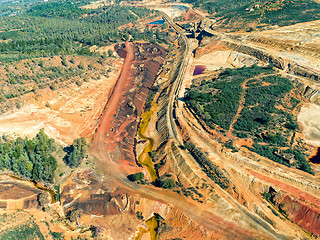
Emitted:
<point x="57" y="235"/>
<point x="167" y="183"/>
<point x="139" y="215"/>
<point x="28" y="231"/>
<point x="136" y="177"/>
<point x="75" y="152"/>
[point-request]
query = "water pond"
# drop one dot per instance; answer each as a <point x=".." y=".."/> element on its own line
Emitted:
<point x="316" y="158"/>
<point x="158" y="22"/>
<point x="199" y="69"/>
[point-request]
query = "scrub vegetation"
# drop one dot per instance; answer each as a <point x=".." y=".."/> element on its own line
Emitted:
<point x="61" y="27"/>
<point x="33" y="38"/>
<point x="28" y="231"/>
<point x="236" y="15"/>
<point x="266" y="115"/>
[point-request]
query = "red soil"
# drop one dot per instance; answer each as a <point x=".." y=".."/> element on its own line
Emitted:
<point x="119" y="121"/>
<point x="287" y="188"/>
<point x="244" y="142"/>
<point x="305" y="215"/>
<point x="300" y="207"/>
<point x="189" y="15"/>
<point x="108" y="116"/>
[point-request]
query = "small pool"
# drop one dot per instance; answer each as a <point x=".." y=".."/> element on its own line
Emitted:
<point x="158" y="22"/>
<point x="199" y="69"/>
<point x="316" y="158"/>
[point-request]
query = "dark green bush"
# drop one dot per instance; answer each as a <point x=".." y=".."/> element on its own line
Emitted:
<point x="27" y="231"/>
<point x="136" y="177"/>
<point x="139" y="215"/>
<point x="167" y="183"/>
<point x="76" y="152"/>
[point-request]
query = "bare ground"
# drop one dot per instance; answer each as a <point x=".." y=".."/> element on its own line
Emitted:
<point x="309" y="117"/>
<point x="65" y="113"/>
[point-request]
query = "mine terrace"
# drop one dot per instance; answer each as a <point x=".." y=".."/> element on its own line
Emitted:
<point x="159" y="119"/>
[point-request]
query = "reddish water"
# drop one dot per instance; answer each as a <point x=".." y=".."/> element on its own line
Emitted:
<point x="198" y="69"/>
<point x="316" y="158"/>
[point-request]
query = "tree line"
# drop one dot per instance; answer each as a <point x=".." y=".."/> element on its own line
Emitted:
<point x="62" y="27"/>
<point x="30" y="158"/>
<point x="33" y="158"/>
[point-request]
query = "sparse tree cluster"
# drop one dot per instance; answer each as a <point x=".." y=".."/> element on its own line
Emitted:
<point x="33" y="159"/>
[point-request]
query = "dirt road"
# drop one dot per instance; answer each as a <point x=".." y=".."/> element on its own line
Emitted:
<point x="113" y="103"/>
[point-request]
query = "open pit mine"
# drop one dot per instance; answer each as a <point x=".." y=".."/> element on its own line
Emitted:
<point x="165" y="164"/>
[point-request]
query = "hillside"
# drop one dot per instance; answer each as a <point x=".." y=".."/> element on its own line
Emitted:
<point x="248" y="15"/>
<point x="158" y="119"/>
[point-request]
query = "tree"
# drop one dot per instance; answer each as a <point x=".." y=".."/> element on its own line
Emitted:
<point x="49" y="165"/>
<point x="75" y="152"/>
<point x="167" y="183"/>
<point x="139" y="215"/>
<point x="29" y="158"/>
<point x="36" y="172"/>
<point x="136" y="177"/>
<point x="110" y="53"/>
<point x="15" y="165"/>
<point x="25" y="165"/>
<point x="44" y="145"/>
<point x="5" y="161"/>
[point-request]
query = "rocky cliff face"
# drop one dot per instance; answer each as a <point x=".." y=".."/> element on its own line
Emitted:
<point x="302" y="71"/>
<point x="288" y="45"/>
<point x="302" y="211"/>
<point x="312" y="93"/>
<point x="16" y="194"/>
<point x="278" y="62"/>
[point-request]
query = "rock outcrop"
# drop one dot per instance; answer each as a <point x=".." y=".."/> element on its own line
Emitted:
<point x="312" y="94"/>
<point x="302" y="211"/>
<point x="16" y="194"/>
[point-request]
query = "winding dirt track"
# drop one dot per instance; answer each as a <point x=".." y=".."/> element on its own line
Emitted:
<point x="103" y="146"/>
